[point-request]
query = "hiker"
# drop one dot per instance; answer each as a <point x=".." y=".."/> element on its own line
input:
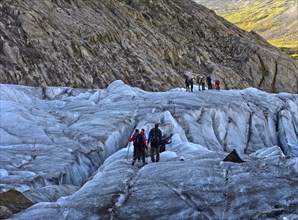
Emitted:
<point x="199" y="82"/>
<point x="186" y="84"/>
<point x="155" y="138"/>
<point x="146" y="152"/>
<point x="203" y="82"/>
<point x="217" y="85"/>
<point x="191" y="84"/>
<point x="165" y="140"/>
<point x="140" y="146"/>
<point x="209" y="82"/>
<point x="133" y="138"/>
<point x="143" y="130"/>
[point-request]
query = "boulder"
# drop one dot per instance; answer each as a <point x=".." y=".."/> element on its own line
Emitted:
<point x="13" y="201"/>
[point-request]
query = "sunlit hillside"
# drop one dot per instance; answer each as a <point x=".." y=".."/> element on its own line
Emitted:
<point x="275" y="20"/>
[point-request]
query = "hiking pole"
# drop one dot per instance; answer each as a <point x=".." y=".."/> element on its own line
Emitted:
<point x="127" y="154"/>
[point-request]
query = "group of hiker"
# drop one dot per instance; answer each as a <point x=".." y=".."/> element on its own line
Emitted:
<point x="156" y="141"/>
<point x="189" y="82"/>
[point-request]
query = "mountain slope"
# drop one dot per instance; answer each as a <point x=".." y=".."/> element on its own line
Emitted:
<point x="276" y="21"/>
<point x="149" y="44"/>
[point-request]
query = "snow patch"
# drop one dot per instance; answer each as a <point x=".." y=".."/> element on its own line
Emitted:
<point x="3" y="173"/>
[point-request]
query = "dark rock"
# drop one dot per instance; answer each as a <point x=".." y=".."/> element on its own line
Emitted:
<point x="14" y="201"/>
<point x="4" y="212"/>
<point x="274" y="213"/>
<point x="233" y="157"/>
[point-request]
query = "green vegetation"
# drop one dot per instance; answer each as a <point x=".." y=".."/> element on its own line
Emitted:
<point x="249" y="17"/>
<point x="275" y="20"/>
<point x="288" y="46"/>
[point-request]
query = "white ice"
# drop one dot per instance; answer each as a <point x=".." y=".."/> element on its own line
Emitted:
<point x="68" y="151"/>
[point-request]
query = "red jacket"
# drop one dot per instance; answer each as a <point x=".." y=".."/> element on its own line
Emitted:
<point x="144" y="140"/>
<point x="133" y="137"/>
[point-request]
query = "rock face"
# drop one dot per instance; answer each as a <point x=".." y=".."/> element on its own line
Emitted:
<point x="58" y="148"/>
<point x="149" y="44"/>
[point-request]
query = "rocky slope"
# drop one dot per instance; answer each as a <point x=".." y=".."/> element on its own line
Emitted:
<point x="149" y="44"/>
<point x="276" y="21"/>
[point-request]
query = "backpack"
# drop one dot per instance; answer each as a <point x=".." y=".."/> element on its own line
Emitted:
<point x="155" y="137"/>
<point x="139" y="140"/>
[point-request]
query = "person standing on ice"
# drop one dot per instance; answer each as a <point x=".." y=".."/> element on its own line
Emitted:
<point x="141" y="145"/>
<point x="203" y="82"/>
<point x="165" y="140"/>
<point x="217" y="87"/>
<point x="133" y="138"/>
<point x="191" y="83"/>
<point x="146" y="151"/>
<point x="186" y="84"/>
<point x="143" y="130"/>
<point x="209" y="82"/>
<point x="155" y="138"/>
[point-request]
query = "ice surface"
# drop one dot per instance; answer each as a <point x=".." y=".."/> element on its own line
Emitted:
<point x="67" y="149"/>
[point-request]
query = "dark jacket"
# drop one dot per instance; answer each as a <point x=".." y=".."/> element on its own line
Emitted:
<point x="158" y="131"/>
<point x="143" y="143"/>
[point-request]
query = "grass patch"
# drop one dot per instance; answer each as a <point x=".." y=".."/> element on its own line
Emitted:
<point x="251" y="16"/>
<point x="288" y="46"/>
